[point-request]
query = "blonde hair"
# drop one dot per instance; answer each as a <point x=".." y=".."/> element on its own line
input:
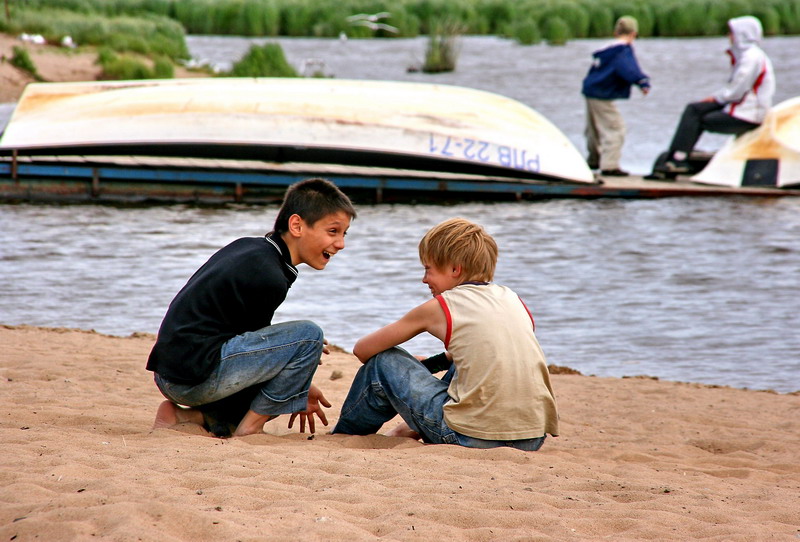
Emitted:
<point x="626" y="25"/>
<point x="458" y="241"/>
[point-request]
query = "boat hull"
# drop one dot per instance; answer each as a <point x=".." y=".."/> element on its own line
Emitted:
<point x="371" y="123"/>
<point x="766" y="156"/>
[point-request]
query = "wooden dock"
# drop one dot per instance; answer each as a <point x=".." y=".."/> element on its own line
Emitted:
<point x="124" y="179"/>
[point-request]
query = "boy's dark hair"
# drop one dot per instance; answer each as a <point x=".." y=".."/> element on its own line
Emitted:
<point x="312" y="199"/>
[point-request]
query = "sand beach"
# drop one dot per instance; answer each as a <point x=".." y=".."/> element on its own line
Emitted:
<point x="638" y="459"/>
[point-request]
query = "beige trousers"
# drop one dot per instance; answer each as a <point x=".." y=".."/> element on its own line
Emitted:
<point x="605" y="134"/>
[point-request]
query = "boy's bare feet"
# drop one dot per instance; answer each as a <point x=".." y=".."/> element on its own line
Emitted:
<point x="402" y="430"/>
<point x="169" y="414"/>
<point x="252" y="424"/>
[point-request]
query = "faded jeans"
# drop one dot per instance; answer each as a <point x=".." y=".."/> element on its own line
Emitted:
<point x="394" y="382"/>
<point x="268" y="371"/>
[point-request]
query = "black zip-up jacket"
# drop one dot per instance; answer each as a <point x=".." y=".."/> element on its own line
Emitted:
<point x="237" y="290"/>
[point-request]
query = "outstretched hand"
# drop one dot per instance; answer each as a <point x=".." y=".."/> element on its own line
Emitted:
<point x="315" y="399"/>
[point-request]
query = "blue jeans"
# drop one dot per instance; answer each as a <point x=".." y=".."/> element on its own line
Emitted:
<point x="395" y="382"/>
<point x="267" y="371"/>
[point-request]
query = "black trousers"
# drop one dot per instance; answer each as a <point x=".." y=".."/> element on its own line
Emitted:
<point x="699" y="117"/>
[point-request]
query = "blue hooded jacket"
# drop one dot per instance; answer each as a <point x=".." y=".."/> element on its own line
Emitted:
<point x="614" y="69"/>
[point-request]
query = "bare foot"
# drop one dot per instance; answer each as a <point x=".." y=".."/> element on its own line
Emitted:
<point x="252" y="424"/>
<point x="402" y="430"/>
<point x="169" y="414"/>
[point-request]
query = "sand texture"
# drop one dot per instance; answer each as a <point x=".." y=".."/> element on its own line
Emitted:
<point x="639" y="459"/>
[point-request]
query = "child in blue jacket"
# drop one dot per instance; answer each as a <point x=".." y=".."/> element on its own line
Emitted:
<point x="614" y="69"/>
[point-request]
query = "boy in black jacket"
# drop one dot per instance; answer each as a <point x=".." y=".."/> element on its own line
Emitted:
<point x="218" y="358"/>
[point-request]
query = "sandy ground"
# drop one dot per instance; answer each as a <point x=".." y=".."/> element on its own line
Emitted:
<point x="639" y="459"/>
<point x="54" y="64"/>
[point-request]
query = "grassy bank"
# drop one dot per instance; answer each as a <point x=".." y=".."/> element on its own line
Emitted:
<point x="529" y="21"/>
<point x="156" y="29"/>
<point x="146" y="34"/>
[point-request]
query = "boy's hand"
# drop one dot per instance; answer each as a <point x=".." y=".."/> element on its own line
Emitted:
<point x="325" y="350"/>
<point x="315" y="398"/>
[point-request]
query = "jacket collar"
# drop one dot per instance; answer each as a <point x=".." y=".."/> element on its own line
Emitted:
<point x="277" y="242"/>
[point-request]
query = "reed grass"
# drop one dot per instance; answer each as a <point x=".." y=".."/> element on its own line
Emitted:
<point x="21" y="59"/>
<point x="265" y="60"/>
<point x="124" y="66"/>
<point x="149" y="35"/>
<point x="163" y="68"/>
<point x="525" y="32"/>
<point x="556" y="30"/>
<point x="515" y="18"/>
<point x="441" y="54"/>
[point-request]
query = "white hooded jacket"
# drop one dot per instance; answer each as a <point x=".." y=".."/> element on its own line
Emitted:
<point x="748" y="93"/>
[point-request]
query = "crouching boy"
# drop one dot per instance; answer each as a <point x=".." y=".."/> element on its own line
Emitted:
<point x="218" y="352"/>
<point x="496" y="391"/>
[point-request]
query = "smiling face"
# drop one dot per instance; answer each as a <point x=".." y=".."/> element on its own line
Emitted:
<point x="441" y="280"/>
<point x="314" y="245"/>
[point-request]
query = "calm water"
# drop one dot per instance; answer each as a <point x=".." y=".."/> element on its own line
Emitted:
<point x="685" y="289"/>
<point x="701" y="290"/>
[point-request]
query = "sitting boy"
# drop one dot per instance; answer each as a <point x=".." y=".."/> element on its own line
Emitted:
<point x="217" y="351"/>
<point x="496" y="391"/>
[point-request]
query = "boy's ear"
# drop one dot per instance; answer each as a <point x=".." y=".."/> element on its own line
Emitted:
<point x="295" y="225"/>
<point x="457" y="269"/>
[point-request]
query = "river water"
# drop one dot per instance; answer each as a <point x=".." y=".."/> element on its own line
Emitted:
<point x="700" y="290"/>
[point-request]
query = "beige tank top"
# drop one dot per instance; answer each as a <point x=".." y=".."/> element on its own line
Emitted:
<point x="501" y="390"/>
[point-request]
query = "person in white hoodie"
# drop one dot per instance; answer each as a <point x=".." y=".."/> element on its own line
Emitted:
<point x="736" y="108"/>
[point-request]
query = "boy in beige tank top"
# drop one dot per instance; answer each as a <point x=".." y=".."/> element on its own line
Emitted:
<point x="496" y="391"/>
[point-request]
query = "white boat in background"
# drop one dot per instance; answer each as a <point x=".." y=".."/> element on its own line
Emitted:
<point x="409" y="126"/>
<point x="766" y="156"/>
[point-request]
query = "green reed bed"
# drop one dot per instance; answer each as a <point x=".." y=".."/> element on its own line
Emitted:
<point x="529" y="21"/>
<point x="122" y="66"/>
<point x="22" y="60"/>
<point x="148" y="34"/>
<point x="265" y="60"/>
<point x="442" y="51"/>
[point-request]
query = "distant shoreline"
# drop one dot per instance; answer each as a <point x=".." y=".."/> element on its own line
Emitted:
<point x="53" y="63"/>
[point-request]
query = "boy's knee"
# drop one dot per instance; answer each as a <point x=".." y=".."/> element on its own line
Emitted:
<point x="312" y="338"/>
<point x="391" y="360"/>
<point x="309" y="330"/>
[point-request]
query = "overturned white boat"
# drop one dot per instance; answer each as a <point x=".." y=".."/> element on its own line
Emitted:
<point x="412" y="126"/>
<point x="766" y="156"/>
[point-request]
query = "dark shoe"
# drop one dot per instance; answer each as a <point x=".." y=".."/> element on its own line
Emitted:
<point x="677" y="166"/>
<point x="614" y="172"/>
<point x="660" y="176"/>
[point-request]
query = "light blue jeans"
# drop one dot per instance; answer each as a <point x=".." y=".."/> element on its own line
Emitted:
<point x="394" y="382"/>
<point x="267" y="371"/>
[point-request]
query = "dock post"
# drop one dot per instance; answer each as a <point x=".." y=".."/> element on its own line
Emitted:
<point x="14" y="165"/>
<point x="95" y="182"/>
<point x="238" y="193"/>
